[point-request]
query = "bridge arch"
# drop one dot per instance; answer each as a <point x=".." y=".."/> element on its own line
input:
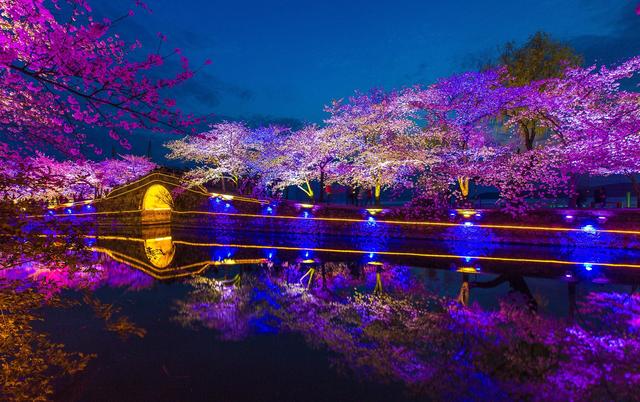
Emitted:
<point x="157" y="198"/>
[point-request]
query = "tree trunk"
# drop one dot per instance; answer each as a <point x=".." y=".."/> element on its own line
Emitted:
<point x="573" y="195"/>
<point x="321" y="192"/>
<point x="636" y="188"/>
<point x="376" y="194"/>
<point x="463" y="183"/>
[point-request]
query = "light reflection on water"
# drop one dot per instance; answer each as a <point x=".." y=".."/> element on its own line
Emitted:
<point x="376" y="319"/>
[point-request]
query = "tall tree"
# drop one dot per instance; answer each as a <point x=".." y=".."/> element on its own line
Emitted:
<point x="541" y="57"/>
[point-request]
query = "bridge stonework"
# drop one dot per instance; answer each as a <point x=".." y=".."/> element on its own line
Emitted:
<point x="150" y="200"/>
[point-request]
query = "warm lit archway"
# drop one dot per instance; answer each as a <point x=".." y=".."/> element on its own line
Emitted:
<point x="160" y="251"/>
<point x="157" y="198"/>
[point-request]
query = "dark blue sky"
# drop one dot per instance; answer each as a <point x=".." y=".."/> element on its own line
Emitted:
<point x="286" y="59"/>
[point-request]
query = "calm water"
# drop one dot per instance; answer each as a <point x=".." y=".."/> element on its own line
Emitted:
<point x="166" y="315"/>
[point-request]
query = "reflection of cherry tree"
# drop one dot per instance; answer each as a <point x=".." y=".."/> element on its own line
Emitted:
<point x="509" y="353"/>
<point x="29" y="360"/>
<point x="218" y="305"/>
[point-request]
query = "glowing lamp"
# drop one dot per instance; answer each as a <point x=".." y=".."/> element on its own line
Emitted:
<point x="270" y="255"/>
<point x="568" y="217"/>
<point x="305" y="206"/>
<point x="308" y="261"/>
<point x="589" y="229"/>
<point x="370" y="255"/>
<point x="306" y="254"/>
<point x="468" y="224"/>
<point x="588" y="266"/>
<point x="227" y="205"/>
<point x="467" y="259"/>
<point x="306" y="214"/>
<point x="568" y="275"/>
<point x="269" y="210"/>
<point x="602" y="219"/>
<point x="68" y="210"/>
<point x="466" y="270"/>
<point x="371" y="221"/>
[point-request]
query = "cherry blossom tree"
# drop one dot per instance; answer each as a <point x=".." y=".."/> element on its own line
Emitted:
<point x="382" y="133"/>
<point x="458" y="115"/>
<point x="592" y="123"/>
<point x="229" y="150"/>
<point x="42" y="178"/>
<point x="306" y="155"/>
<point x="64" y="74"/>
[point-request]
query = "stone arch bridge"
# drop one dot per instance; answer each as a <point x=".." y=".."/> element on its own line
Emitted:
<point x="151" y="198"/>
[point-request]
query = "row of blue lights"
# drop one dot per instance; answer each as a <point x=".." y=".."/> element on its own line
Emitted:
<point x="69" y="211"/>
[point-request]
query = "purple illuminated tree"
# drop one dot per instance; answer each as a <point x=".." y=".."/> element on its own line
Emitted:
<point x="64" y="74"/>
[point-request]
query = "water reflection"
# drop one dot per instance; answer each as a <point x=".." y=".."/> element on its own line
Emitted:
<point x="441" y="322"/>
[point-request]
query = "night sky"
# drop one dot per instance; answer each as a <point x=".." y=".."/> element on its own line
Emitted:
<point x="283" y="60"/>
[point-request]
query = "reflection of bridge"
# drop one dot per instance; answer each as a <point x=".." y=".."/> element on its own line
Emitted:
<point x="154" y="252"/>
<point x="164" y="254"/>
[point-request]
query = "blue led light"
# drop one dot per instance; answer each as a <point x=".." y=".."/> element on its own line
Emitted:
<point x="370" y="255"/>
<point x="68" y="210"/>
<point x="306" y="254"/>
<point x="467" y="259"/>
<point x="269" y="210"/>
<point x="371" y="221"/>
<point x="218" y="200"/>
<point x="227" y="205"/>
<point x="306" y="214"/>
<point x="589" y="229"/>
<point x="468" y="224"/>
<point x="270" y="256"/>
<point x="588" y="266"/>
